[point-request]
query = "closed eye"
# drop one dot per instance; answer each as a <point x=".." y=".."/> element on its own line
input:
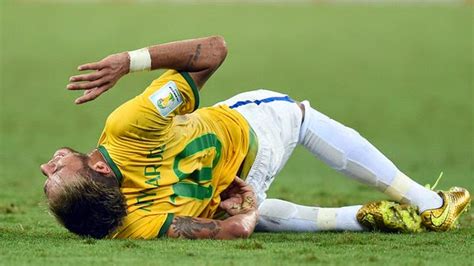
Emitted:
<point x="59" y="168"/>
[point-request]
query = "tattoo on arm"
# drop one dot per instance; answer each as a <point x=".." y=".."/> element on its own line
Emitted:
<point x="194" y="57"/>
<point x="188" y="227"/>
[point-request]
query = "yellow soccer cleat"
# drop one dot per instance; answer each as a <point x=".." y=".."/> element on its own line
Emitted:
<point x="455" y="202"/>
<point x="389" y="216"/>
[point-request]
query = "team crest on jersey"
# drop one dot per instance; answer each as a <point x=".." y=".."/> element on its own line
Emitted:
<point x="167" y="98"/>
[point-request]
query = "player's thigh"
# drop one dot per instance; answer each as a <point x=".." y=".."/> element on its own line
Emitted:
<point x="276" y="120"/>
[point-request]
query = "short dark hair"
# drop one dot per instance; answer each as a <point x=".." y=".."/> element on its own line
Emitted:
<point x="88" y="206"/>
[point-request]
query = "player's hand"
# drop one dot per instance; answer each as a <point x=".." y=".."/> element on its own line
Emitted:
<point x="105" y="74"/>
<point x="238" y="198"/>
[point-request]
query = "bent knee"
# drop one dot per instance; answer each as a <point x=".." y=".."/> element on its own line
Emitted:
<point x="301" y="106"/>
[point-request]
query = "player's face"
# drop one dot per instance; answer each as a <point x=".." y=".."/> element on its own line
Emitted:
<point x="61" y="169"/>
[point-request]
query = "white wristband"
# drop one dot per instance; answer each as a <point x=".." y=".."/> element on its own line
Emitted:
<point x="139" y="60"/>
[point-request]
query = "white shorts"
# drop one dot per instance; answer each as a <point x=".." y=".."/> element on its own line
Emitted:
<point x="276" y="121"/>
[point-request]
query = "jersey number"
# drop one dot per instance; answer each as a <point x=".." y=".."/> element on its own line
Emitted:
<point x="190" y="185"/>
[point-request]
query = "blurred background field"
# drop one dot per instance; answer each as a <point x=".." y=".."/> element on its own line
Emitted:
<point x="401" y="74"/>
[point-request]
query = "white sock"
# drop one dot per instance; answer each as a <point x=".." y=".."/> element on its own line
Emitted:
<point x="282" y="216"/>
<point x="346" y="151"/>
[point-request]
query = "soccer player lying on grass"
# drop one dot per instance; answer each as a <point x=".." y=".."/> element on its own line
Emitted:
<point x="165" y="168"/>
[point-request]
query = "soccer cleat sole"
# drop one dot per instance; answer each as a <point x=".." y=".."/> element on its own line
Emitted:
<point x="388" y="216"/>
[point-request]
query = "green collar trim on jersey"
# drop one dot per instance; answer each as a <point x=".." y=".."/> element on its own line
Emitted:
<point x="166" y="225"/>
<point x="111" y="163"/>
<point x="191" y="83"/>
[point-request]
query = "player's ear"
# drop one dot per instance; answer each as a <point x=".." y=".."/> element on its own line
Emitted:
<point x="102" y="168"/>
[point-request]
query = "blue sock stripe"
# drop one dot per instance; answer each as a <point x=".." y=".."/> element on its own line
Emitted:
<point x="266" y="100"/>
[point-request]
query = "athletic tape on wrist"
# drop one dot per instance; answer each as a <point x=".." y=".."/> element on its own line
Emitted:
<point x="140" y="60"/>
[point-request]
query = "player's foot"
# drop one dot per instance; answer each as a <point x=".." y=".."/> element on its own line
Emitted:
<point x="390" y="216"/>
<point x="455" y="202"/>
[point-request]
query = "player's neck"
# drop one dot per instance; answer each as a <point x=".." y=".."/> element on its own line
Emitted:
<point x="95" y="156"/>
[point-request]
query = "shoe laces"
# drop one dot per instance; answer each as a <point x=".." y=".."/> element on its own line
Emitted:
<point x="428" y="186"/>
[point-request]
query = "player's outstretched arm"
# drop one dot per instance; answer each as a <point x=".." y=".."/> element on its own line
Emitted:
<point x="239" y="202"/>
<point x="200" y="57"/>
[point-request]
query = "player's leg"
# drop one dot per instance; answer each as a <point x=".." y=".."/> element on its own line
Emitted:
<point x="275" y="119"/>
<point x="279" y="216"/>
<point x="282" y="216"/>
<point x="346" y="151"/>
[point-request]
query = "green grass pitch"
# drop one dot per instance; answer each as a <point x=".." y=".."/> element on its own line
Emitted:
<point x="401" y="75"/>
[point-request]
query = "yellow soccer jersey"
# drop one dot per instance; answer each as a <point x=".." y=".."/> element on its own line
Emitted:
<point x="170" y="160"/>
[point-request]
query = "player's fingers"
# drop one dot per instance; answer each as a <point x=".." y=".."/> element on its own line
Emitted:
<point x="87" y="85"/>
<point x="249" y="201"/>
<point x="225" y="205"/>
<point x="88" y="77"/>
<point x="230" y="203"/>
<point x="231" y="209"/>
<point x="90" y="66"/>
<point x="239" y="181"/>
<point x="242" y="185"/>
<point x="90" y="95"/>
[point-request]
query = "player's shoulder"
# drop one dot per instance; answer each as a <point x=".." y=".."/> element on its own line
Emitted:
<point x="173" y="92"/>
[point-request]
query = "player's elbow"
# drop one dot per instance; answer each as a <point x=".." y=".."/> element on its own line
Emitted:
<point x="245" y="232"/>
<point x="240" y="230"/>
<point x="219" y="48"/>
